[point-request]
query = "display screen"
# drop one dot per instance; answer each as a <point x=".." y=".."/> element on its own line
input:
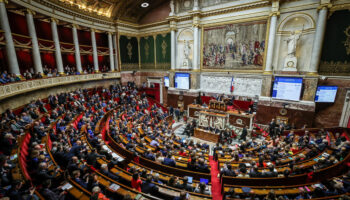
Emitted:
<point x="166" y="81"/>
<point x="287" y="88"/>
<point x="326" y="94"/>
<point x="182" y="81"/>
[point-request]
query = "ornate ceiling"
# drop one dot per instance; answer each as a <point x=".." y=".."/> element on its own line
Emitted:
<point x="127" y="10"/>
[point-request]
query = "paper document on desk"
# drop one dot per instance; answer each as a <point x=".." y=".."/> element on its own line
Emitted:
<point x="67" y="186"/>
<point x="114" y="187"/>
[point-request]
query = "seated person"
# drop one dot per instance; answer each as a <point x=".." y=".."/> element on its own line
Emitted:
<point x="202" y="188"/>
<point x="185" y="185"/>
<point x="169" y="161"/>
<point x="148" y="187"/>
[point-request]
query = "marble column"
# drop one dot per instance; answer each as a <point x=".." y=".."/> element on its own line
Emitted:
<point x="116" y="60"/>
<point x="318" y="41"/>
<point x="94" y="50"/>
<point x="195" y="47"/>
<point x="77" y="48"/>
<point x="56" y="40"/>
<point x="10" y="47"/>
<point x="36" y="51"/>
<point x="271" y="43"/>
<point x="173" y="49"/>
<point x="110" y="46"/>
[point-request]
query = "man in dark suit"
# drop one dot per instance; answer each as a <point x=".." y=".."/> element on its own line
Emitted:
<point x="148" y="187"/>
<point x="228" y="171"/>
<point x="92" y="158"/>
<point x="105" y="171"/>
<point x="244" y="133"/>
<point x="272" y="127"/>
<point x="185" y="185"/>
<point x="168" y="161"/>
<point x="44" y="174"/>
<point x="48" y="194"/>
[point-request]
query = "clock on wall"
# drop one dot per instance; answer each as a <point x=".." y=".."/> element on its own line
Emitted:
<point x="290" y="64"/>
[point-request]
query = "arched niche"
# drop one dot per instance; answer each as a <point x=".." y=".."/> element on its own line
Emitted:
<point x="297" y="21"/>
<point x="184" y="36"/>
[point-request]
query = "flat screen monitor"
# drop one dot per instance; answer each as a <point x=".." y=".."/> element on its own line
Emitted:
<point x="182" y="81"/>
<point x="326" y="94"/>
<point x="166" y="81"/>
<point x="287" y="88"/>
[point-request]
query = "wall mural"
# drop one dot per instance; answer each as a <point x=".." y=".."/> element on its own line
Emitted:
<point x="335" y="59"/>
<point x="163" y="46"/>
<point x="234" y="46"/>
<point x="128" y="52"/>
<point x="147" y="52"/>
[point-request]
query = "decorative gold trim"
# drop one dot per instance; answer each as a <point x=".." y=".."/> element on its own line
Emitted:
<point x="138" y="49"/>
<point x="233" y="22"/>
<point x="312" y="74"/>
<point x="338" y="7"/>
<point x="155" y="51"/>
<point x="232" y="70"/>
<point x="267" y="35"/>
<point x="4" y="1"/>
<point x="236" y="21"/>
<point x="291" y="16"/>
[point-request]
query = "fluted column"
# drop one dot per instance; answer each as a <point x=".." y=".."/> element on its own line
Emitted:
<point x="110" y="46"/>
<point x="36" y="51"/>
<point x="318" y="41"/>
<point x="173" y="49"/>
<point x="271" y="43"/>
<point x="77" y="48"/>
<point x="195" y="48"/>
<point x="56" y="40"/>
<point x="10" y="47"/>
<point x="116" y="60"/>
<point x="94" y="50"/>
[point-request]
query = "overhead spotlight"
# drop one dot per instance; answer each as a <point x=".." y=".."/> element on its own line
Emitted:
<point x="144" y="5"/>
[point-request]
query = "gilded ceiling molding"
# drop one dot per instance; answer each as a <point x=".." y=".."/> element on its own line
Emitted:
<point x="75" y="12"/>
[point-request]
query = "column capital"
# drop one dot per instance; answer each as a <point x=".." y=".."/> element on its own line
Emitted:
<point x="3" y="1"/>
<point x="109" y="33"/>
<point x="75" y="26"/>
<point x="324" y="6"/>
<point x="93" y="30"/>
<point x="277" y="13"/>
<point x="154" y="37"/>
<point x="54" y="20"/>
<point x="30" y="12"/>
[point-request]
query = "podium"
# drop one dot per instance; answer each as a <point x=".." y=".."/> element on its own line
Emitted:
<point x="230" y="117"/>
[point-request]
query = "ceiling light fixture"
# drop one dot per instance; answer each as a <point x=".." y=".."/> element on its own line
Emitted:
<point x="144" y="5"/>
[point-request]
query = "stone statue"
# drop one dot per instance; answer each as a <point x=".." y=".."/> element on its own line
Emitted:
<point x="187" y="49"/>
<point x="292" y="42"/>
<point x="172" y="8"/>
<point x="290" y="62"/>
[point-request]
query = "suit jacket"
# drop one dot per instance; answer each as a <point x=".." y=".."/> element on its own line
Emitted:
<point x="50" y="195"/>
<point x="149" y="188"/>
<point x="169" y="162"/>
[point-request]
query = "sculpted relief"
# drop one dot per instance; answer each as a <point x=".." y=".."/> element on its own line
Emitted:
<point x="243" y="86"/>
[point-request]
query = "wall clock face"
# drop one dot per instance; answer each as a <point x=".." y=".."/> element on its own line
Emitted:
<point x="283" y="111"/>
<point x="290" y="64"/>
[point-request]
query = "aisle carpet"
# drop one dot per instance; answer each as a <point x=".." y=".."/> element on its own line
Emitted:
<point x="215" y="181"/>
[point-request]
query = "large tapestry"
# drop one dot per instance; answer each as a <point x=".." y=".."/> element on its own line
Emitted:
<point x="129" y="54"/>
<point x="335" y="59"/>
<point x="234" y="46"/>
<point x="163" y="51"/>
<point x="147" y="52"/>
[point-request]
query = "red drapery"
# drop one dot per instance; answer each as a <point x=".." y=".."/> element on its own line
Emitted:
<point x="43" y="30"/>
<point x="65" y="34"/>
<point x="48" y="59"/>
<point x="18" y="23"/>
<point x="3" y="59"/>
<point x="69" y="59"/>
<point x="25" y="61"/>
<point x="101" y="39"/>
<point x="84" y="37"/>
